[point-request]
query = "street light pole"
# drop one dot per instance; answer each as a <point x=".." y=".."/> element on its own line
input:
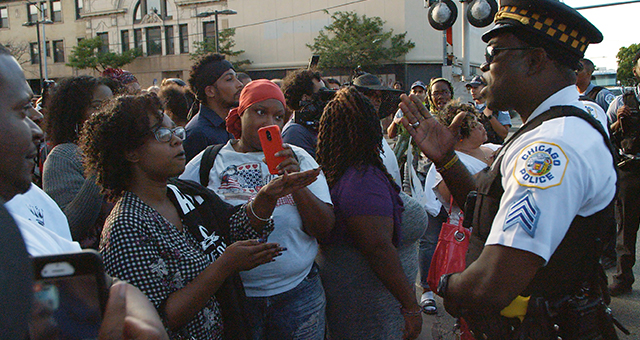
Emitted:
<point x="29" y="24"/>
<point x="215" y="14"/>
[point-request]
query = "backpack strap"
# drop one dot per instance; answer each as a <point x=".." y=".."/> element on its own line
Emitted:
<point x="206" y="163"/>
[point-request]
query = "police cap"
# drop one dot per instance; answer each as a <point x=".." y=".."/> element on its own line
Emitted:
<point x="559" y="28"/>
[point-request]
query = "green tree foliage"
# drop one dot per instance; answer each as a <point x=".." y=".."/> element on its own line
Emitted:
<point x="226" y="48"/>
<point x="625" y="64"/>
<point x="352" y="40"/>
<point x="88" y="54"/>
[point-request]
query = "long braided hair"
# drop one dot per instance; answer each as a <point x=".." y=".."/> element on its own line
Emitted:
<point x="349" y="135"/>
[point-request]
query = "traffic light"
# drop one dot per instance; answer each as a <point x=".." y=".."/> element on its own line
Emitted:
<point x="442" y="14"/>
<point x="480" y="13"/>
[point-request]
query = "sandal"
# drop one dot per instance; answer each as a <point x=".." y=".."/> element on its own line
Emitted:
<point x="428" y="303"/>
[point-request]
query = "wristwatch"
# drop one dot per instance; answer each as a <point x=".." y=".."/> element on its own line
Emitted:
<point x="443" y="285"/>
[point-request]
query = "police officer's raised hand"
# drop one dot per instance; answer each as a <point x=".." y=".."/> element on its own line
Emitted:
<point x="434" y="139"/>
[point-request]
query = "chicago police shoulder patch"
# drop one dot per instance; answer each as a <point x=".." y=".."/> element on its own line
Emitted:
<point x="523" y="212"/>
<point x="540" y="165"/>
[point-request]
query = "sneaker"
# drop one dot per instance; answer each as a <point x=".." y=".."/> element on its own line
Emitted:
<point x="428" y="303"/>
<point x="617" y="289"/>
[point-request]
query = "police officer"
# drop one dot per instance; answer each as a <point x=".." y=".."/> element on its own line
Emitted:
<point x="623" y="109"/>
<point x="589" y="90"/>
<point x="541" y="205"/>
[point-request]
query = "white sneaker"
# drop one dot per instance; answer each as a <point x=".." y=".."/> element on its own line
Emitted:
<point x="428" y="303"/>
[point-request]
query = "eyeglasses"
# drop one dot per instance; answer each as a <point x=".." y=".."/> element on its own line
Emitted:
<point x="443" y="93"/>
<point x="491" y="51"/>
<point x="164" y="134"/>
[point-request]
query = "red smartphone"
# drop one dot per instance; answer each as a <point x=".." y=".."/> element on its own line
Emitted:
<point x="271" y="142"/>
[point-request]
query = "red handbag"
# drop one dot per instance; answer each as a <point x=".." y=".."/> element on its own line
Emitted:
<point x="450" y="253"/>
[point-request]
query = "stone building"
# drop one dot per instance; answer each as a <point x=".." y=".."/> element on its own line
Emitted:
<point x="273" y="34"/>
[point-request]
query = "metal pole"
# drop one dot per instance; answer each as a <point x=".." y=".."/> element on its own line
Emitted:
<point x="444" y="48"/>
<point x="216" y="18"/>
<point x="44" y="39"/>
<point x="39" y="54"/>
<point x="466" y="28"/>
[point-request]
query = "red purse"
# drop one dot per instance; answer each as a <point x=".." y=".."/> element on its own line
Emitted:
<point x="450" y="253"/>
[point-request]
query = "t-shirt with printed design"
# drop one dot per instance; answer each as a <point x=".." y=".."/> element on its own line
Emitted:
<point x="236" y="178"/>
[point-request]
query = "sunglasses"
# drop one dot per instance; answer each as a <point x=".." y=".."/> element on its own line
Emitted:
<point x="491" y="51"/>
<point x="164" y="134"/>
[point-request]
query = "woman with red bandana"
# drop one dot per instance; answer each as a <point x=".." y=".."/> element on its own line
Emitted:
<point x="286" y="298"/>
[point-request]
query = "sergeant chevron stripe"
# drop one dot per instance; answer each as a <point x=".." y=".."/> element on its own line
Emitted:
<point x="523" y="212"/>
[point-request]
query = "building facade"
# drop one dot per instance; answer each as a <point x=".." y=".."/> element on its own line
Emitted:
<point x="273" y="34"/>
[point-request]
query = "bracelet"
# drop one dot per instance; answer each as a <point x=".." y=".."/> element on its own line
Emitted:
<point x="408" y="312"/>
<point x="443" y="284"/>
<point x="250" y="204"/>
<point x="449" y="164"/>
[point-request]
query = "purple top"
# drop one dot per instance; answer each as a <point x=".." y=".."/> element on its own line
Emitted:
<point x="361" y="192"/>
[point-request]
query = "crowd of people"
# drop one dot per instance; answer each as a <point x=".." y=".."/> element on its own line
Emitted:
<point x="205" y="241"/>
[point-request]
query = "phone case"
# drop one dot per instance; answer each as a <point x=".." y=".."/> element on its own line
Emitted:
<point x="86" y="264"/>
<point x="271" y="142"/>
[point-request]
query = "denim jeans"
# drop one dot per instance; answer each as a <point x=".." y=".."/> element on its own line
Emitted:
<point x="428" y="243"/>
<point x="295" y="314"/>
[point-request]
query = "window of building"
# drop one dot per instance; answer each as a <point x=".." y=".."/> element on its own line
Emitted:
<point x="79" y="8"/>
<point x="35" y="53"/>
<point x="47" y="50"/>
<point x="137" y="38"/>
<point x="58" y="51"/>
<point x="209" y="30"/>
<point x="154" y="41"/>
<point x="168" y="38"/>
<point x="124" y="40"/>
<point x="32" y="13"/>
<point x="159" y="7"/>
<point x="4" y="17"/>
<point x="105" y="41"/>
<point x="184" y="38"/>
<point x="56" y="11"/>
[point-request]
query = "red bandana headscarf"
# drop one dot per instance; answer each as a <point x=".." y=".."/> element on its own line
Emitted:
<point x="254" y="92"/>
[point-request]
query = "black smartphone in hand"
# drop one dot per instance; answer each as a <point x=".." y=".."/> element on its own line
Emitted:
<point x="69" y="296"/>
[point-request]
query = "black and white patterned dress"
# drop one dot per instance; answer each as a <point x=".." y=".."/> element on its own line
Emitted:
<point x="143" y="248"/>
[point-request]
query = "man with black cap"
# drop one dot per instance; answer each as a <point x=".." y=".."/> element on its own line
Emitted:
<point x="217" y="88"/>
<point x="542" y="207"/>
<point x="496" y="123"/>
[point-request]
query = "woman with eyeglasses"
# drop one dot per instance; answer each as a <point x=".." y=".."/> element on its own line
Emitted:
<point x="439" y="93"/>
<point x="73" y="102"/>
<point x="175" y="240"/>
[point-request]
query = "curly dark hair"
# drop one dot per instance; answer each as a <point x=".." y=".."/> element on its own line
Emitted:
<point x="449" y="111"/>
<point x="177" y="101"/>
<point x="69" y="102"/>
<point x="297" y="84"/>
<point x="122" y="125"/>
<point x="202" y="76"/>
<point x="349" y="135"/>
<point x="432" y="105"/>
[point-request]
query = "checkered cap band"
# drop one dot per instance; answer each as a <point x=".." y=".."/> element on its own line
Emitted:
<point x="555" y="29"/>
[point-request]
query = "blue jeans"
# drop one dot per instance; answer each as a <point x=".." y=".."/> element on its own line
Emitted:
<point x="428" y="243"/>
<point x="296" y="314"/>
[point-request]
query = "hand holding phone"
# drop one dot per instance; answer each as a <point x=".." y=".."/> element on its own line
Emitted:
<point x="271" y="142"/>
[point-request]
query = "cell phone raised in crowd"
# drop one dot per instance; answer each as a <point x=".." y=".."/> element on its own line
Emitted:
<point x="69" y="296"/>
<point x="313" y="62"/>
<point x="271" y="142"/>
